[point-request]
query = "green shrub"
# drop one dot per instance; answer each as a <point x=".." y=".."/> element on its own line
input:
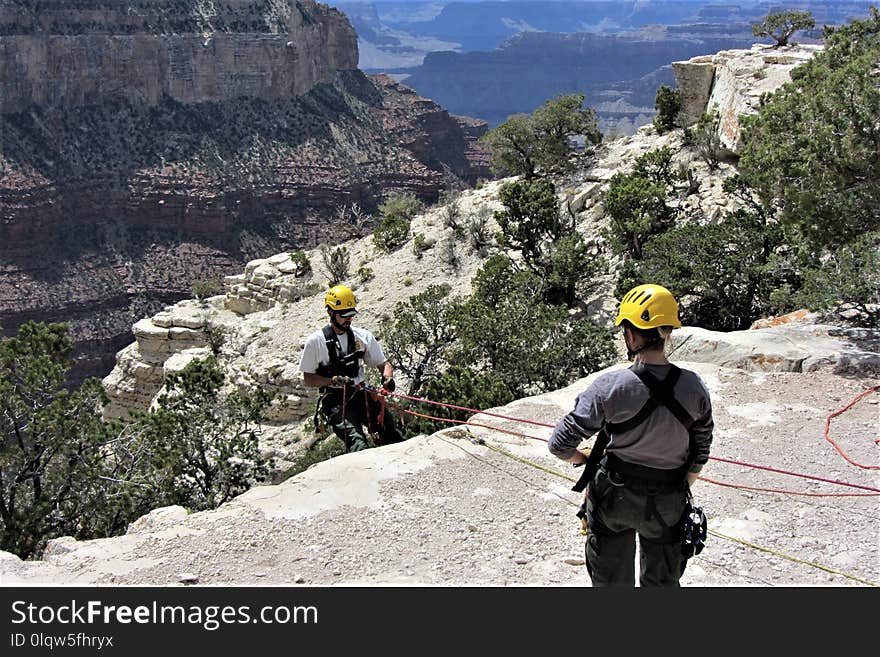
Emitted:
<point x="216" y="336"/>
<point x="390" y="234"/>
<point x="667" y="102"/>
<point x="460" y="386"/>
<point x="301" y="263"/>
<point x="527" y="143"/>
<point x="725" y="274"/>
<point x="64" y="470"/>
<point x="449" y="255"/>
<point x="336" y="261"/>
<point x="451" y="212"/>
<point x="656" y="167"/>
<point x="204" y="288"/>
<point x="203" y="442"/>
<point x="478" y="233"/>
<point x="422" y="244"/>
<point x="636" y="209"/>
<point x="416" y="336"/>
<point x="393" y="229"/>
<point x="847" y="283"/>
<point x="704" y="138"/>
<point x="327" y="448"/>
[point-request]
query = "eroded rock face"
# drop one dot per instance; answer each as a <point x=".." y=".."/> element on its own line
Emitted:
<point x="146" y="146"/>
<point x="70" y="55"/>
<point x="732" y="82"/>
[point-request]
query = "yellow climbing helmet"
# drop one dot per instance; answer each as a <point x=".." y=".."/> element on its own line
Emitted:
<point x="649" y="306"/>
<point x="340" y="298"/>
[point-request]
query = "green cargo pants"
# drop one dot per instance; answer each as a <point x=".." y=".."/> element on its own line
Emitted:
<point x="352" y="426"/>
<point x="617" y="511"/>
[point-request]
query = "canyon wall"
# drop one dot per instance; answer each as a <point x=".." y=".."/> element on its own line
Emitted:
<point x="147" y="146"/>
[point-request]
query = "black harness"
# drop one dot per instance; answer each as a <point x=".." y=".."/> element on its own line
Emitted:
<point x="692" y="525"/>
<point x="661" y="394"/>
<point x="341" y="364"/>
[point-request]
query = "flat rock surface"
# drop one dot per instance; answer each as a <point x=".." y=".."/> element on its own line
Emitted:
<point x="475" y="506"/>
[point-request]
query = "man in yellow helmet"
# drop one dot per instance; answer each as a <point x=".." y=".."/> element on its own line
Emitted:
<point x="657" y="419"/>
<point x="333" y="360"/>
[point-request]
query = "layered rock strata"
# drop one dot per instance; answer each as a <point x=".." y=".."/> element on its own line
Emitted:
<point x="73" y="54"/>
<point x="146" y="146"/>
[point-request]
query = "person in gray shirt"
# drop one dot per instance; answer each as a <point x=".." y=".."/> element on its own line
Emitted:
<point x="642" y="484"/>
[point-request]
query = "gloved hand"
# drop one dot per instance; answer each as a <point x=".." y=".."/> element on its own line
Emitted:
<point x="340" y="380"/>
<point x="388" y="384"/>
<point x="582" y="514"/>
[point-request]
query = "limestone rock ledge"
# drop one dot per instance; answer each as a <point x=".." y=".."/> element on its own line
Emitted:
<point x="331" y="525"/>
<point x="794" y="347"/>
<point x="732" y="82"/>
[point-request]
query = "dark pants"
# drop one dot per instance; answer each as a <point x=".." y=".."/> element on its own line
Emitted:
<point x="353" y="427"/>
<point x="619" y="509"/>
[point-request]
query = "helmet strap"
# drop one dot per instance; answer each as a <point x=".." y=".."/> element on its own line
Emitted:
<point x="334" y="323"/>
<point x="650" y="343"/>
<point x="632" y="353"/>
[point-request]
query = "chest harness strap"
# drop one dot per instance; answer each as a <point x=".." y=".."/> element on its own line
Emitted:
<point x="692" y="526"/>
<point x="341" y="364"/>
<point x="661" y="394"/>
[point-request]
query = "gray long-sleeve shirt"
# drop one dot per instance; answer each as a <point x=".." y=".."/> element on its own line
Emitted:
<point x="661" y="441"/>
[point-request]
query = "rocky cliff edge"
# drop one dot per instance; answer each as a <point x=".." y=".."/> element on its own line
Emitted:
<point x="474" y="505"/>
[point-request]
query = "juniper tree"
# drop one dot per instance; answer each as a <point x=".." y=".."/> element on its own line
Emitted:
<point x="548" y="242"/>
<point x="782" y="25"/>
<point x="529" y="144"/>
<point x="64" y="470"/>
<point x="812" y="149"/>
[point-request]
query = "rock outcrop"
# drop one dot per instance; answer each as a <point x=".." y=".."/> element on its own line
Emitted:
<point x="71" y="54"/>
<point x="731" y="83"/>
<point x="146" y="146"/>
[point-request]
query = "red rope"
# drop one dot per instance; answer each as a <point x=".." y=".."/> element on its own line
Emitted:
<point x="839" y="412"/>
<point x="875" y="491"/>
<point x="796" y="474"/>
<point x="787" y="492"/>
<point x="472" y="410"/>
<point x="467" y="422"/>
<point x="344" y="419"/>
